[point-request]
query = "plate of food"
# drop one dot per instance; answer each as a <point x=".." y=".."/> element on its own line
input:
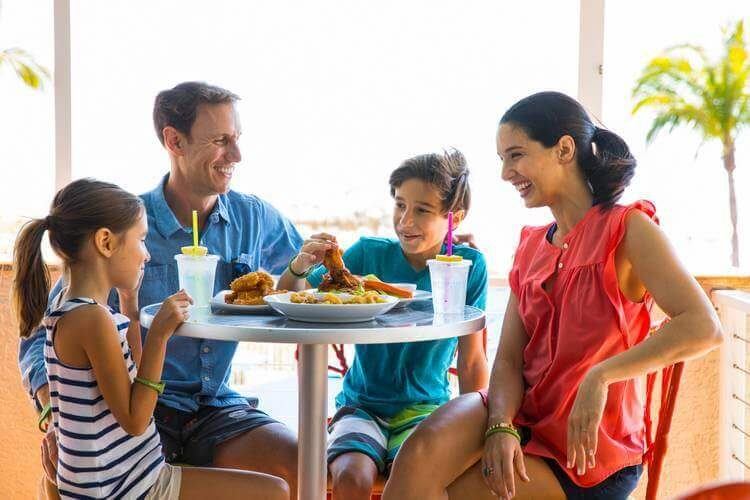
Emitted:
<point x="326" y="307"/>
<point x="246" y="294"/>
<point x="340" y="280"/>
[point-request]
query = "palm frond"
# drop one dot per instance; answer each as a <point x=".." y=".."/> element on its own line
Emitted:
<point x="27" y="69"/>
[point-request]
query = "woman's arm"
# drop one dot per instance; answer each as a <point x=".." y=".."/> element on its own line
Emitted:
<point x="506" y="380"/>
<point x="692" y="331"/>
<point x="694" y="328"/>
<point x="471" y="364"/>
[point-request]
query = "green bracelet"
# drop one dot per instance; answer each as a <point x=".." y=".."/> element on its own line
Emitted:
<point x="43" y="416"/>
<point x="300" y="276"/>
<point x="504" y="428"/>
<point x="157" y="386"/>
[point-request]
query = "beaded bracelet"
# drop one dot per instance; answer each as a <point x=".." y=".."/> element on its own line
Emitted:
<point x="43" y="416"/>
<point x="503" y="427"/>
<point x="298" y="275"/>
<point x="157" y="386"/>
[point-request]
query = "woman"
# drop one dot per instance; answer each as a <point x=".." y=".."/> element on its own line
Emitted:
<point x="562" y="417"/>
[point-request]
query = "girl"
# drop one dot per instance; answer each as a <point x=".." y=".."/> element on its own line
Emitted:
<point x="103" y="383"/>
<point x="390" y="388"/>
<point x="563" y="417"/>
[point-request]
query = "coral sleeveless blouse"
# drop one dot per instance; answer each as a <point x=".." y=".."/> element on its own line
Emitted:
<point x="580" y="320"/>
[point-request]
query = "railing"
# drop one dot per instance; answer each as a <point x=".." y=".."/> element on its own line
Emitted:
<point x="734" y="425"/>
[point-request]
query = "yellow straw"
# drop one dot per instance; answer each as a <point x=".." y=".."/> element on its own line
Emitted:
<point x="195" y="228"/>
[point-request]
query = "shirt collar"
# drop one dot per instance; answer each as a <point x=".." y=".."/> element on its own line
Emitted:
<point x="166" y="221"/>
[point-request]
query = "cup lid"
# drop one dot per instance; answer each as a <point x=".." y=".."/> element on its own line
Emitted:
<point x="194" y="251"/>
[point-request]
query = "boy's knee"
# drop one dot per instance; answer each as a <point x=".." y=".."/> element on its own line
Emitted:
<point x="351" y="482"/>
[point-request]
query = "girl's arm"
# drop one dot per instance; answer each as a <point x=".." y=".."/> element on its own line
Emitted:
<point x="129" y="307"/>
<point x="132" y="404"/>
<point x="473" y="373"/>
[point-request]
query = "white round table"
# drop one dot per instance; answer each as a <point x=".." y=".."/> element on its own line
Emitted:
<point x="413" y="323"/>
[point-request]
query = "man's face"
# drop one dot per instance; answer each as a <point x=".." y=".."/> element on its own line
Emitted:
<point x="212" y="150"/>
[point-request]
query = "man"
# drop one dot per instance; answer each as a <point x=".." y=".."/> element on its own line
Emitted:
<point x="201" y="420"/>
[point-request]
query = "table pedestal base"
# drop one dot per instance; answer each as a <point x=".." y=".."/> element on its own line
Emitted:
<point x="313" y="408"/>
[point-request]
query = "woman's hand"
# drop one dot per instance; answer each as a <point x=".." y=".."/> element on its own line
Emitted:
<point x="502" y="458"/>
<point x="172" y="313"/>
<point x="312" y="252"/>
<point x="584" y="420"/>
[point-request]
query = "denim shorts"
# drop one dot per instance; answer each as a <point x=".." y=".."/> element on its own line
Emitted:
<point x="616" y="487"/>
<point x="192" y="438"/>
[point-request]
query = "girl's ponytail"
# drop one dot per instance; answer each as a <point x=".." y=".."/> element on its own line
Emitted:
<point x="31" y="280"/>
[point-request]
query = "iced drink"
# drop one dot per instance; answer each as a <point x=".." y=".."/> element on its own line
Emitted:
<point x="196" y="275"/>
<point x="449" y="277"/>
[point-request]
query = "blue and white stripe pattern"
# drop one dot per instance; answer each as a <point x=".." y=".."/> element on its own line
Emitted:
<point x="96" y="457"/>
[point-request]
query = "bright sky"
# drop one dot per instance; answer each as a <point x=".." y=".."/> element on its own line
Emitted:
<point x="336" y="94"/>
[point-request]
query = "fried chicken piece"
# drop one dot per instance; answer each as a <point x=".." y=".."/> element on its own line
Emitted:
<point x="338" y="276"/>
<point x="252" y="281"/>
<point x="302" y="298"/>
<point x="249" y="289"/>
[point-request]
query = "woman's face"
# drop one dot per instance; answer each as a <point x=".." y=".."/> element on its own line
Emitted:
<point x="535" y="171"/>
<point x="418" y="217"/>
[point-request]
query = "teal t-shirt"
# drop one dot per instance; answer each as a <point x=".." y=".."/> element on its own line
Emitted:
<point x="385" y="378"/>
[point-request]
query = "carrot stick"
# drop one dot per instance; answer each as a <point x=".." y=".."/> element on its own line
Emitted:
<point x="389" y="289"/>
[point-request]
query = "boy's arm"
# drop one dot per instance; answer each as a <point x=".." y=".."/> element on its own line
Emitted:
<point x="473" y="372"/>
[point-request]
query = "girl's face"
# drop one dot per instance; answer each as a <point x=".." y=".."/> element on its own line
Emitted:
<point x="130" y="255"/>
<point x="535" y="171"/>
<point x="418" y="217"/>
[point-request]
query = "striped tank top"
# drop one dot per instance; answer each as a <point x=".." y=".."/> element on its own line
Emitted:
<point x="96" y="457"/>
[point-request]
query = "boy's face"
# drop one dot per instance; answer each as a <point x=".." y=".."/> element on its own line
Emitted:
<point x="418" y="217"/>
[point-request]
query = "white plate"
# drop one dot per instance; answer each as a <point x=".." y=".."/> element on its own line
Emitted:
<point x="329" y="313"/>
<point x="218" y="304"/>
<point x="418" y="295"/>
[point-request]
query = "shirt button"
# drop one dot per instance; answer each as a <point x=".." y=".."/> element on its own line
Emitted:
<point x="565" y="245"/>
<point x="206" y="378"/>
<point x="214" y="218"/>
<point x="206" y="349"/>
<point x="559" y="265"/>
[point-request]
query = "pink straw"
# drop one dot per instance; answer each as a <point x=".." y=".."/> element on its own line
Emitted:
<point x="449" y="250"/>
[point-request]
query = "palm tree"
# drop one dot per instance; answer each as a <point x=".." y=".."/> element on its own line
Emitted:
<point x="684" y="87"/>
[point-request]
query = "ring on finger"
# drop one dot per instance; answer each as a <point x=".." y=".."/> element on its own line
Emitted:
<point x="487" y="471"/>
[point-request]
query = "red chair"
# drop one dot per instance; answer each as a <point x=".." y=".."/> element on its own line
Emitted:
<point x="726" y="491"/>
<point x="656" y="446"/>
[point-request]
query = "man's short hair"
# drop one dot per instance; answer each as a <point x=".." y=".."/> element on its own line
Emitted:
<point x="177" y="107"/>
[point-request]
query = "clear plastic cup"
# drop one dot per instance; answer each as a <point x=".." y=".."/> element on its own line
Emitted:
<point x="196" y="274"/>
<point x="449" y="280"/>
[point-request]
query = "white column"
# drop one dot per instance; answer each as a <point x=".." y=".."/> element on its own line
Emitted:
<point x="61" y="79"/>
<point x="591" y="56"/>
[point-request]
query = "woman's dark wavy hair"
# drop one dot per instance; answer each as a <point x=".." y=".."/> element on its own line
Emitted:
<point x="603" y="156"/>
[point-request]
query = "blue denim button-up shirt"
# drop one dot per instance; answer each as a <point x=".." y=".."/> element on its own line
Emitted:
<point x="240" y="228"/>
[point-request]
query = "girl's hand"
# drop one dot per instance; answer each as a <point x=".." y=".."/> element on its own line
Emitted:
<point x="583" y="422"/>
<point x="465" y="239"/>
<point x="129" y="299"/>
<point x="312" y="252"/>
<point x="502" y="458"/>
<point x="172" y="313"/>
